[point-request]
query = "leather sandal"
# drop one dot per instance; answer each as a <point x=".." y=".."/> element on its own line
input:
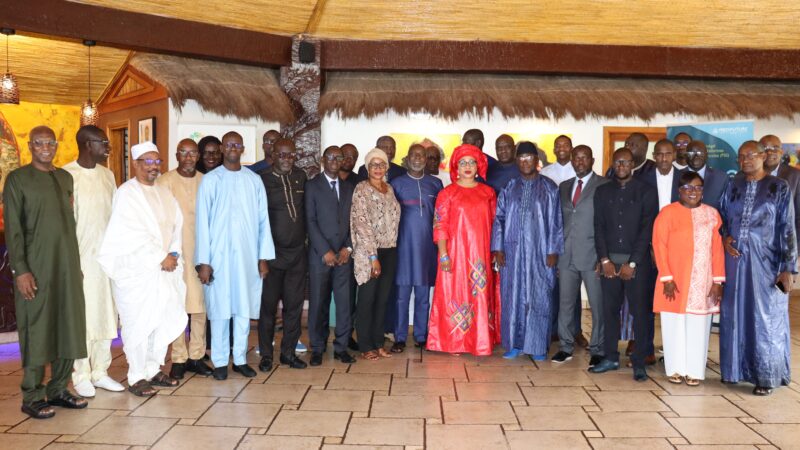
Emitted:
<point x="163" y="380"/>
<point x="398" y="347"/>
<point x="762" y="391"/>
<point x="692" y="381"/>
<point x="142" y="388"/>
<point x="66" y="399"/>
<point x="383" y="353"/>
<point x="39" y="409"/>
<point x="676" y="379"/>
<point x="371" y="355"/>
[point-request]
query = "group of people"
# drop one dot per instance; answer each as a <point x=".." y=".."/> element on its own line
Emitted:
<point x="505" y="245"/>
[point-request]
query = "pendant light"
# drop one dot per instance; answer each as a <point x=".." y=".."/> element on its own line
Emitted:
<point x="89" y="113"/>
<point x="9" y="90"/>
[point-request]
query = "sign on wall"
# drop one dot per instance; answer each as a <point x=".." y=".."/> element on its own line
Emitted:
<point x="722" y="140"/>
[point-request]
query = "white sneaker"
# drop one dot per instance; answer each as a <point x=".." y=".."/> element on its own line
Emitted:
<point x="108" y="384"/>
<point x="300" y="348"/>
<point x="85" y="389"/>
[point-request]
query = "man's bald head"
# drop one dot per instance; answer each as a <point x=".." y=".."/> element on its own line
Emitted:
<point x="637" y="143"/>
<point x="474" y="137"/>
<point x="388" y="145"/>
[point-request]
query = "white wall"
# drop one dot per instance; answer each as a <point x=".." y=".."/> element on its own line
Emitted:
<point x="363" y="132"/>
<point x="192" y="113"/>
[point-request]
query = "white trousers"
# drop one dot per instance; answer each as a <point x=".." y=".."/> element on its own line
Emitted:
<point x="144" y="360"/>
<point x="95" y="365"/>
<point x="685" y="339"/>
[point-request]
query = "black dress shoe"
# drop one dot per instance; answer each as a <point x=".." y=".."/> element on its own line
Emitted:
<point x="595" y="360"/>
<point x="294" y="362"/>
<point x="265" y="365"/>
<point x="245" y="370"/>
<point x="344" y="357"/>
<point x="221" y="373"/>
<point x="352" y="344"/>
<point x="177" y="371"/>
<point x="199" y="367"/>
<point x="639" y="374"/>
<point x="316" y="359"/>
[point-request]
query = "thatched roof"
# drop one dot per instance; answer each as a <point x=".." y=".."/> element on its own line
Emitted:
<point x="450" y="95"/>
<point x="226" y="89"/>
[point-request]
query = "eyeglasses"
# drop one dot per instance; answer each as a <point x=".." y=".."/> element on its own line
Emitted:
<point x="332" y="158"/>
<point x="623" y="162"/>
<point x="695" y="152"/>
<point x="681" y="144"/>
<point x="234" y="145"/>
<point x="45" y="143"/>
<point x="381" y="166"/>
<point x="467" y="162"/>
<point x="749" y="156"/>
<point x="103" y="142"/>
<point x="526" y="158"/>
<point x="692" y="188"/>
<point x="773" y="149"/>
<point x="284" y="155"/>
<point x="188" y="152"/>
<point x="150" y="162"/>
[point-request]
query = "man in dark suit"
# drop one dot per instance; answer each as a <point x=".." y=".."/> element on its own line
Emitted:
<point x="637" y="143"/>
<point x="346" y="173"/>
<point x="330" y="268"/>
<point x="774" y="167"/>
<point x="714" y="181"/>
<point x="665" y="178"/>
<point x="625" y="210"/>
<point x="578" y="262"/>
<point x="389" y="146"/>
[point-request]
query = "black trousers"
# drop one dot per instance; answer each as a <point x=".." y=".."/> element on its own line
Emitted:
<point x="637" y="290"/>
<point x="372" y="298"/>
<point x="324" y="280"/>
<point x="286" y="285"/>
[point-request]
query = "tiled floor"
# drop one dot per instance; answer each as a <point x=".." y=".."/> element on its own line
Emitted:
<point x="417" y="400"/>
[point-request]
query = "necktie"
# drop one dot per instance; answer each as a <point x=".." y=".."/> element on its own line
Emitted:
<point x="577" y="195"/>
<point x="333" y="188"/>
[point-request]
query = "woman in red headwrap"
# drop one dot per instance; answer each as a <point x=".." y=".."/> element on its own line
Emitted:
<point x="464" y="314"/>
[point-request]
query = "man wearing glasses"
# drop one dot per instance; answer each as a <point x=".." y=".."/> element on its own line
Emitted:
<point x="141" y="253"/>
<point x="681" y="143"/>
<point x="94" y="188"/>
<point x="776" y="168"/>
<point x="183" y="183"/>
<point x="284" y="185"/>
<point x="623" y="222"/>
<point x="234" y="243"/>
<point x="267" y="143"/>
<point x="48" y="289"/>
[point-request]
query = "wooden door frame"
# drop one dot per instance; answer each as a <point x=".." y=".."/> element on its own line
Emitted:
<point x="118" y="126"/>
<point x="611" y="133"/>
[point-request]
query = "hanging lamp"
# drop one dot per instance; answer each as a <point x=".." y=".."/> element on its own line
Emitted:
<point x="9" y="90"/>
<point x="89" y="114"/>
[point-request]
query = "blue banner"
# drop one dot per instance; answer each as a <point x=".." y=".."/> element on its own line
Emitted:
<point x="722" y="140"/>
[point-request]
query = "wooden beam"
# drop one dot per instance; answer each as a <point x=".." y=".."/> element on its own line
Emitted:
<point x="576" y="59"/>
<point x="145" y="32"/>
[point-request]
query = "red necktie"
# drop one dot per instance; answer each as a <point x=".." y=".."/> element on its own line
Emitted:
<point x="577" y="195"/>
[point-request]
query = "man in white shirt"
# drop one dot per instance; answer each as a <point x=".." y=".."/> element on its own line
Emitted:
<point x="665" y="177"/>
<point x="561" y="170"/>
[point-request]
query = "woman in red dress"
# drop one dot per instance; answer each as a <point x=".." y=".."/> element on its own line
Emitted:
<point x="464" y="314"/>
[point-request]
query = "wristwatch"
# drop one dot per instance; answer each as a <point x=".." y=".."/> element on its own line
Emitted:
<point x="632" y="264"/>
<point x="349" y="249"/>
<point x="605" y="260"/>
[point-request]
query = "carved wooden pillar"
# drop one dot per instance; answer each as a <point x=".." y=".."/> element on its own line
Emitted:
<point x="302" y="83"/>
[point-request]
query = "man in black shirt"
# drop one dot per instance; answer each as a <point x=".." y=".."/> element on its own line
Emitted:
<point x="623" y="222"/>
<point x="285" y="188"/>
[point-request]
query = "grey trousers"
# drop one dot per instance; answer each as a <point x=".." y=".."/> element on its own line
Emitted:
<point x="570" y="284"/>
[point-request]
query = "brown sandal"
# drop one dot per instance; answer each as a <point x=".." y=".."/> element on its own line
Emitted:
<point x="398" y="347"/>
<point x="371" y="355"/>
<point x="142" y="388"/>
<point x="163" y="380"/>
<point x="676" y="379"/>
<point x="383" y="353"/>
<point x="692" y="381"/>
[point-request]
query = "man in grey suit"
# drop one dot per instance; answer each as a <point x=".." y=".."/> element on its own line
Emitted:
<point x="578" y="263"/>
<point x="714" y="181"/>
<point x="774" y="167"/>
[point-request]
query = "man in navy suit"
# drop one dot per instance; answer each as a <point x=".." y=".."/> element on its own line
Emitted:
<point x="714" y="181"/>
<point x="637" y="143"/>
<point x="665" y="176"/>
<point x="330" y="268"/>
<point x="774" y="167"/>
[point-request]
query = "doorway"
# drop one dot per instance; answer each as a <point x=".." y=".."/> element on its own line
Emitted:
<point x="118" y="162"/>
<point x="614" y="138"/>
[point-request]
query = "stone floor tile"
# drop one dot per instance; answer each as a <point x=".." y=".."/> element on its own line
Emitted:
<point x="272" y="393"/>
<point x="771" y="409"/>
<point x="469" y="392"/>
<point x="383" y="365"/>
<point x="10" y="413"/>
<point x="209" y="387"/>
<point x="785" y="436"/>
<point x="309" y="376"/>
<point x="630" y="444"/>
<point x="255" y="442"/>
<point x="115" y="400"/>
<point x="628" y="401"/>
<point x="25" y="441"/>
<point x="422" y="386"/>
<point x="127" y="431"/>
<point x="553" y="418"/>
<point x="66" y="421"/>
<point x="362" y="447"/>
<point x="561" y="378"/>
<point x="360" y="381"/>
<point x="406" y="406"/>
<point x="310" y="423"/>
<point x="633" y="424"/>
<point x="494" y="374"/>
<point x="200" y="438"/>
<point x="713" y="431"/>
<point x="82" y="446"/>
<point x="479" y="412"/>
<point x="180" y="407"/>
<point x="556" y="396"/>
<point x="328" y="400"/>
<point x="546" y="440"/>
<point x="374" y="431"/>
<point x="621" y="380"/>
<point x="9" y="384"/>
<point x="255" y="415"/>
<point x="465" y="437"/>
<point x="438" y="370"/>
<point x="702" y="406"/>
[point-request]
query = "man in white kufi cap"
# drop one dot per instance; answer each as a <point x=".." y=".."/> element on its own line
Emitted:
<point x="141" y="255"/>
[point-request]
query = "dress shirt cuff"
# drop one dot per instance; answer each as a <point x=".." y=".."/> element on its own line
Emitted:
<point x="666" y="278"/>
<point x="718" y="279"/>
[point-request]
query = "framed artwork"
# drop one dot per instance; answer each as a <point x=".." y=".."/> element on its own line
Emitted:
<point x="147" y="130"/>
